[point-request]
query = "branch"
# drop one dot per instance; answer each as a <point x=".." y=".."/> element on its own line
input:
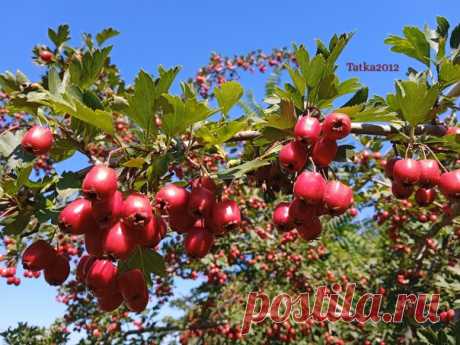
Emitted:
<point x="363" y="129"/>
<point x="170" y="329"/>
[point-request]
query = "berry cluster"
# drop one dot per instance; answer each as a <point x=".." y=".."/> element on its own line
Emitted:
<point x="426" y="174"/>
<point x="313" y="195"/>
<point x="198" y="214"/>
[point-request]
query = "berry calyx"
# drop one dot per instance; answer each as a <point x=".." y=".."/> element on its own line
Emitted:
<point x="37" y="140"/>
<point x="293" y="156"/>
<point x="336" y="126"/>
<point x="100" y="183"/>
<point x="137" y="211"/>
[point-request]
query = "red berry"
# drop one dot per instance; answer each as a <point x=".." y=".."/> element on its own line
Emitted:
<point x="101" y="276"/>
<point x="76" y="218"/>
<point x="429" y="173"/>
<point x="94" y="242"/>
<point x="425" y="196"/>
<point x="83" y="267"/>
<point x="407" y="171"/>
<point x="453" y="131"/>
<point x="109" y="301"/>
<point x="108" y="211"/>
<point x="37" y="140"/>
<point x="401" y="191"/>
<point x="300" y="212"/>
<point x="293" y="156"/>
<point x="310" y="230"/>
<point x="450" y="314"/>
<point x="58" y="271"/>
<point x="338" y="197"/>
<point x="137" y="211"/>
<point x="307" y="129"/>
<point x="119" y="241"/>
<point x="152" y="233"/>
<point x="201" y="202"/>
<point x="38" y="256"/>
<point x="449" y="184"/>
<point x="336" y="126"/>
<point x="226" y="216"/>
<point x="46" y="55"/>
<point x="100" y="183"/>
<point x="389" y="167"/>
<point x="204" y="182"/>
<point x="181" y="220"/>
<point x="134" y="289"/>
<point x="324" y="152"/>
<point x="198" y="242"/>
<point x="281" y="218"/>
<point x="172" y="198"/>
<point x="310" y="187"/>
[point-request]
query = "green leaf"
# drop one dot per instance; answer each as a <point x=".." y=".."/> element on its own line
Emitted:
<point x="455" y="37"/>
<point x="9" y="141"/>
<point x="106" y="34"/>
<point x="443" y="26"/>
<point x="413" y="44"/>
<point x="142" y="103"/>
<point x="448" y="73"/>
<point x="53" y="80"/>
<point x="228" y="94"/>
<point x="10" y="82"/>
<point x="183" y="114"/>
<point x="298" y="80"/>
<point x="18" y="223"/>
<point x="302" y="59"/>
<point x="60" y="36"/>
<point x="415" y="100"/>
<point x="165" y="80"/>
<point x="146" y="260"/>
<point x="219" y="133"/>
<point x="134" y="163"/>
<point x="85" y="72"/>
<point x="315" y="71"/>
<point x="358" y="98"/>
<point x="348" y="86"/>
<point x="336" y="47"/>
<point x="241" y="170"/>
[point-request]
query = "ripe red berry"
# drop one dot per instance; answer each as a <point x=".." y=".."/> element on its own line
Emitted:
<point x="324" y="152"/>
<point x="425" y="196"/>
<point x="449" y="184"/>
<point x="336" y="126"/>
<point x="281" y="218"/>
<point x="201" y="202"/>
<point x="83" y="267"/>
<point x="76" y="218"/>
<point x="450" y="314"/>
<point x="204" y="182"/>
<point x="453" y="131"/>
<point x="100" y="183"/>
<point x="401" y="191"/>
<point x="101" y="276"/>
<point x="172" y="198"/>
<point x="137" y="211"/>
<point x="293" y="156"/>
<point x="300" y="212"/>
<point x="429" y="173"/>
<point x="109" y="301"/>
<point x="37" y="140"/>
<point x="58" y="271"/>
<point x="226" y="216"/>
<point x="307" y="129"/>
<point x="108" y="211"/>
<point x="181" y="220"/>
<point x="407" y="171"/>
<point x="94" y="241"/>
<point x="338" y="197"/>
<point x="198" y="242"/>
<point x="389" y="167"/>
<point x="46" y="56"/>
<point x="119" y="241"/>
<point x="134" y="289"/>
<point x="152" y="233"/>
<point x="310" y="187"/>
<point x="38" y="256"/>
<point x="310" y="230"/>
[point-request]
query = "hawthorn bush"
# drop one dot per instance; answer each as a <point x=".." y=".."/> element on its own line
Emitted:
<point x="320" y="186"/>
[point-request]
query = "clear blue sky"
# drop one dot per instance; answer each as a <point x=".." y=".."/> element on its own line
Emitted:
<point x="185" y="32"/>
